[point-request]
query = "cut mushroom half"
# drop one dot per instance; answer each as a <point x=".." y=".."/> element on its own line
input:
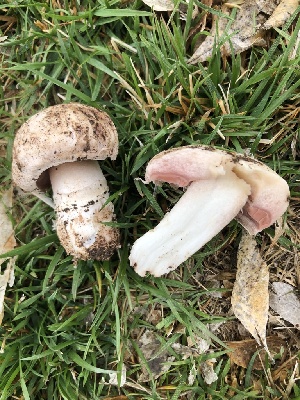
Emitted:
<point x="60" y="146"/>
<point x="220" y="186"/>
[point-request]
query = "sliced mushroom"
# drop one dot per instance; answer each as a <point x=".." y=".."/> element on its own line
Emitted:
<point x="220" y="186"/>
<point x="60" y="146"/>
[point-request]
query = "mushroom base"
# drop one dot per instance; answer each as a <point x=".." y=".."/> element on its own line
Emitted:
<point x="79" y="192"/>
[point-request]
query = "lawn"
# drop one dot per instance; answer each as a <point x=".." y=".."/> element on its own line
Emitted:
<point x="71" y="330"/>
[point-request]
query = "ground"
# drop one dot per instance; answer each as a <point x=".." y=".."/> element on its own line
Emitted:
<point x="67" y="326"/>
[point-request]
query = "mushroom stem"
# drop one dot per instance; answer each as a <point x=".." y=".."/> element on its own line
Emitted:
<point x="79" y="192"/>
<point x="203" y="211"/>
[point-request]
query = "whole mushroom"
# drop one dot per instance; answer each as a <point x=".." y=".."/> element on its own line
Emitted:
<point x="60" y="146"/>
<point x="220" y="186"/>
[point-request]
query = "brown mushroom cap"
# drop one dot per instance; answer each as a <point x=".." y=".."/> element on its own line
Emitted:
<point x="60" y="134"/>
<point x="269" y="192"/>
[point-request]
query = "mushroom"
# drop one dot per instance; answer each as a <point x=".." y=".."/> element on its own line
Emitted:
<point x="220" y="186"/>
<point x="60" y="146"/>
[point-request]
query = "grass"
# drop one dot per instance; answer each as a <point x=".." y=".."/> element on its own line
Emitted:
<point x="66" y="327"/>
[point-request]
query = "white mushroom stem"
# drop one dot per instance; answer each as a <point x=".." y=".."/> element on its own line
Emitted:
<point x="202" y="212"/>
<point x="79" y="192"/>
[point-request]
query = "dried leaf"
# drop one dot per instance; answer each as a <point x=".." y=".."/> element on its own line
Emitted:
<point x="247" y="28"/>
<point x="283" y="371"/>
<point x="295" y="51"/>
<point x="154" y="316"/>
<point x="196" y="347"/>
<point x="245" y="349"/>
<point x="207" y="370"/>
<point x="156" y="358"/>
<point x="113" y="377"/>
<point x="169" y="5"/>
<point x="250" y="296"/>
<point x="7" y="242"/>
<point x="284" y="302"/>
<point x="7" y="239"/>
<point x="267" y="6"/>
<point x="7" y="278"/>
<point x="186" y="351"/>
<point x="281" y="13"/>
<point x="200" y="344"/>
<point x="192" y="375"/>
<point x="3" y="143"/>
<point x="160" y="5"/>
<point x="201" y="24"/>
<point x="242" y="34"/>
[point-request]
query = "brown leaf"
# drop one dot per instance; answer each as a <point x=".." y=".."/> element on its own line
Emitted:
<point x="250" y="296"/>
<point x="244" y="350"/>
<point x="283" y="371"/>
<point x="3" y="143"/>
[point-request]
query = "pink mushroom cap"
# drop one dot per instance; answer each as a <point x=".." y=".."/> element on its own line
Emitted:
<point x="269" y="197"/>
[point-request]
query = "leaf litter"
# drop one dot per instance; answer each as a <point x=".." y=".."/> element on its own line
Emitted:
<point x="170" y="5"/>
<point x="237" y="25"/>
<point x="158" y="360"/>
<point x="160" y="5"/>
<point x="237" y="34"/>
<point x="242" y="351"/>
<point x="250" y="295"/>
<point x="116" y="380"/>
<point x="281" y="14"/>
<point x="7" y="242"/>
<point x="284" y="301"/>
<point x="244" y="30"/>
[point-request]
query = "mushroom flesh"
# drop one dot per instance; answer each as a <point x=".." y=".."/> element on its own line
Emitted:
<point x="60" y="146"/>
<point x="220" y="186"/>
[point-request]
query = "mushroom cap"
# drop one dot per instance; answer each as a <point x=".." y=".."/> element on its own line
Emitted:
<point x="269" y="192"/>
<point x="60" y="134"/>
<point x="183" y="165"/>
